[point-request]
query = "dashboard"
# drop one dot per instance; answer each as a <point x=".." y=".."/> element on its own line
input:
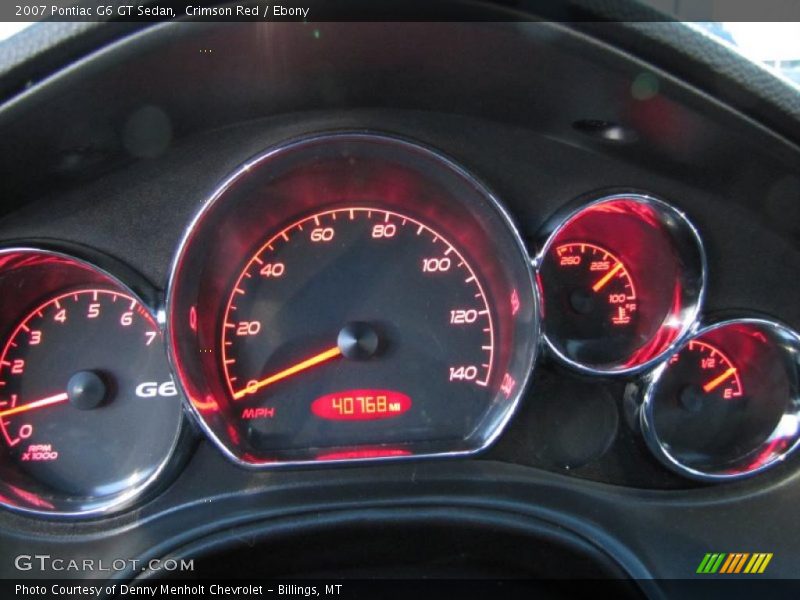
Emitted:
<point x="504" y="286"/>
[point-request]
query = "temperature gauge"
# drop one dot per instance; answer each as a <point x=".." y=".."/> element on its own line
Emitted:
<point x="622" y="280"/>
<point x="597" y="288"/>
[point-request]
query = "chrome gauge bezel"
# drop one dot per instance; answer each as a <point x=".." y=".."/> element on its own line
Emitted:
<point x="409" y="145"/>
<point x="130" y="282"/>
<point x="675" y="222"/>
<point x="790" y="348"/>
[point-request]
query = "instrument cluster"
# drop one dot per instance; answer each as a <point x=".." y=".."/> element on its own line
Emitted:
<point x="357" y="297"/>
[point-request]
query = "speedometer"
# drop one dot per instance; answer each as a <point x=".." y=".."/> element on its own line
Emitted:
<point x="365" y="298"/>
<point x="361" y="303"/>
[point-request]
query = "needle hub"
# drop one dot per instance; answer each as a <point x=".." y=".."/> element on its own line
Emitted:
<point x="692" y="398"/>
<point x="358" y="341"/>
<point x="86" y="390"/>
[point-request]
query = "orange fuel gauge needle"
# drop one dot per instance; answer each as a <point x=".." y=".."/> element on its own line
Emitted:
<point x="294" y="369"/>
<point x="601" y="283"/>
<point x="717" y="381"/>
<point x="49" y="401"/>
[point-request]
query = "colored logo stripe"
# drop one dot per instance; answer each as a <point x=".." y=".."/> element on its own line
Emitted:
<point x="733" y="563"/>
<point x="758" y="563"/>
<point x="711" y="563"/>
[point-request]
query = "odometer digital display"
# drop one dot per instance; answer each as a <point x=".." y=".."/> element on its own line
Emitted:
<point x="361" y="405"/>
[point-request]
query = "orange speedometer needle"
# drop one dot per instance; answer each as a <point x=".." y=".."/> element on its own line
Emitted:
<point x="601" y="283"/>
<point x="297" y="368"/>
<point x="711" y="385"/>
<point x="49" y="401"/>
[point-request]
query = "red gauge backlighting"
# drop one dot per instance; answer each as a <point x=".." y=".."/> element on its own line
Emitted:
<point x="207" y="405"/>
<point x="361" y="405"/>
<point x="358" y="293"/>
<point x="622" y="279"/>
<point x="716" y="373"/>
<point x="725" y="404"/>
<point x="31" y="498"/>
<point x="607" y="282"/>
<point x="88" y="410"/>
<point x="364" y="454"/>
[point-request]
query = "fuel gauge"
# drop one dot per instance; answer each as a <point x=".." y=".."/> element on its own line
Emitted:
<point x="726" y="404"/>
<point x="713" y="376"/>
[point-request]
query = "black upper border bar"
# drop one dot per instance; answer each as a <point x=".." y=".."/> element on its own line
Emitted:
<point x="565" y="11"/>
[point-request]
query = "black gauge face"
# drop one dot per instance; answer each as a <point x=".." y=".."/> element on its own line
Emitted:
<point x="725" y="405"/>
<point x="352" y="296"/>
<point x="702" y="396"/>
<point x="345" y="324"/>
<point x="594" y="305"/>
<point x="87" y="405"/>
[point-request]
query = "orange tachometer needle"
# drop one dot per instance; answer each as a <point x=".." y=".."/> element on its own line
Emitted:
<point x="301" y="366"/>
<point x="718" y="380"/>
<point x="607" y="277"/>
<point x="57" y="399"/>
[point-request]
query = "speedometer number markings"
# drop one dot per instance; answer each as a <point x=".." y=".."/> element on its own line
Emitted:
<point x="273" y="263"/>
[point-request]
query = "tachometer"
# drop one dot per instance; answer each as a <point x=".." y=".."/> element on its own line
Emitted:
<point x="89" y="414"/>
<point x="382" y="305"/>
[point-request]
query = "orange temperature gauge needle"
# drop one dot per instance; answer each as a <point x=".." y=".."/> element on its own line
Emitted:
<point x="717" y="381"/>
<point x="601" y="283"/>
<point x="301" y="366"/>
<point x="49" y="401"/>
